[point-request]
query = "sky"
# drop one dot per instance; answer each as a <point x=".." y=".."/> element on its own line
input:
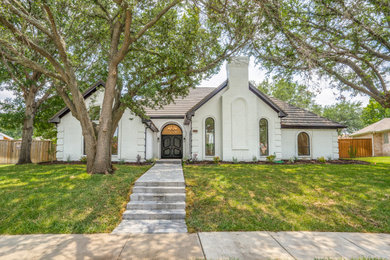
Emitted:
<point x="327" y="96"/>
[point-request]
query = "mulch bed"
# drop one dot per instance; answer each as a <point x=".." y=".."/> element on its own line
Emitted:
<point x="284" y="162"/>
<point x="80" y="162"/>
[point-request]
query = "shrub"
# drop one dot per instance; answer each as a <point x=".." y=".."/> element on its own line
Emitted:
<point x="321" y="159"/>
<point x="291" y="160"/>
<point x="216" y="159"/>
<point x="352" y="152"/>
<point x="195" y="157"/>
<point x="68" y="159"/>
<point x="121" y="161"/>
<point x="271" y="158"/>
<point x="138" y="159"/>
<point x="254" y="159"/>
<point x="83" y="159"/>
<point x="235" y="160"/>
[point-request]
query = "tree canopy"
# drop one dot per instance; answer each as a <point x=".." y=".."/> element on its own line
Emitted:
<point x="345" y="41"/>
<point x="147" y="52"/>
<point x="374" y="112"/>
<point x="293" y="93"/>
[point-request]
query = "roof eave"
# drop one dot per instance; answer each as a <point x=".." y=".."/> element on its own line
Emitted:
<point x="56" y="118"/>
<point x="312" y="126"/>
<point x="268" y="101"/>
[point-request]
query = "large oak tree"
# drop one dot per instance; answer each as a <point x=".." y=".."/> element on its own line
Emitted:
<point x="147" y="52"/>
<point x="346" y="41"/>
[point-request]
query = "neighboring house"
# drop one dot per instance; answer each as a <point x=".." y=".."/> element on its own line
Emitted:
<point x="379" y="133"/>
<point x="232" y="121"/>
<point x="5" y="137"/>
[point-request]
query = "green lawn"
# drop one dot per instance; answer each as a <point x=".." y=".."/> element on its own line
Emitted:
<point x="385" y="159"/>
<point x="62" y="198"/>
<point x="233" y="197"/>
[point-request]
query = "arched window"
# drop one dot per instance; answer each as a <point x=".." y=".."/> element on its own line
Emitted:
<point x="303" y="144"/>
<point x="210" y="137"/>
<point x="264" y="149"/>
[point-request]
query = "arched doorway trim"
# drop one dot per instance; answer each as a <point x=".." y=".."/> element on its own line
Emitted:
<point x="171" y="142"/>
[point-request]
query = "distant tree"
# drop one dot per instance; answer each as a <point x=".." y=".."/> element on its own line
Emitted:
<point x="30" y="89"/>
<point x="295" y="94"/>
<point x="374" y="112"/>
<point x="346" y="113"/>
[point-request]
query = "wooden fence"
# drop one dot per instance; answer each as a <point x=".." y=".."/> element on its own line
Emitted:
<point x="41" y="151"/>
<point x="355" y="148"/>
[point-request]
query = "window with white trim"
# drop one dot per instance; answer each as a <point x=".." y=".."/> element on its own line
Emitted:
<point x="263" y="132"/>
<point x="209" y="137"/>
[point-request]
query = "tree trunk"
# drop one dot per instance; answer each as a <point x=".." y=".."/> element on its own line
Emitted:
<point x="102" y="163"/>
<point x="28" y="129"/>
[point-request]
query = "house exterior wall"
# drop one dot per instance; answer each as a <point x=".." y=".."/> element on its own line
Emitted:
<point x="323" y="143"/>
<point x="131" y="135"/>
<point x="386" y="147"/>
<point x="236" y="112"/>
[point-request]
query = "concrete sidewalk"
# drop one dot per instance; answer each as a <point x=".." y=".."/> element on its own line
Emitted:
<point x="210" y="245"/>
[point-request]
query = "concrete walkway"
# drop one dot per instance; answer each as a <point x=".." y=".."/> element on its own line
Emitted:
<point x="158" y="201"/>
<point x="213" y="245"/>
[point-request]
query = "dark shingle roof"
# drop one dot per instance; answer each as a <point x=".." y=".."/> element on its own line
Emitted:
<point x="291" y="116"/>
<point x="301" y="118"/>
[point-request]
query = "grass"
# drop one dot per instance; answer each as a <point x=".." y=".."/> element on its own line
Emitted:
<point x="385" y="159"/>
<point x="245" y="197"/>
<point x="62" y="198"/>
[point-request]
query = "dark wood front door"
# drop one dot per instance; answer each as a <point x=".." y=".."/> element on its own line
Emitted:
<point x="171" y="146"/>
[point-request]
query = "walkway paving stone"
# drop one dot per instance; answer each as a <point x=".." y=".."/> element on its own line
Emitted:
<point x="157" y="204"/>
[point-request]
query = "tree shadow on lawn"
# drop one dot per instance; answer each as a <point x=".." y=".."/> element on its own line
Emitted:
<point x="288" y="197"/>
<point x="62" y="198"/>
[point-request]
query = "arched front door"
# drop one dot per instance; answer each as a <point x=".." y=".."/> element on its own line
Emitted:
<point x="171" y="142"/>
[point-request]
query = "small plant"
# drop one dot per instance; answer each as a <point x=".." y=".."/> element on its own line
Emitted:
<point x="195" y="157"/>
<point x="68" y="159"/>
<point x="271" y="158"/>
<point x="121" y="161"/>
<point x="216" y="159"/>
<point x="151" y="161"/>
<point x="254" y="159"/>
<point x="83" y="159"/>
<point x="352" y="152"/>
<point x="235" y="160"/>
<point x="321" y="159"/>
<point x="291" y="160"/>
<point x="329" y="158"/>
<point x="138" y="159"/>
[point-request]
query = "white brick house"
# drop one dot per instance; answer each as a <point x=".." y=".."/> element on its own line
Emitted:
<point x="233" y="120"/>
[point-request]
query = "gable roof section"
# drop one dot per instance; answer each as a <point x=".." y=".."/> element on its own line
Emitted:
<point x="92" y="89"/>
<point x="185" y="107"/>
<point x="380" y="126"/>
<point x="204" y="100"/>
<point x="181" y="105"/>
<point x="301" y="118"/>
<point x="267" y="100"/>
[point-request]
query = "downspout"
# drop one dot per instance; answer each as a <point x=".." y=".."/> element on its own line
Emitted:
<point x="145" y="143"/>
<point x="190" y="137"/>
